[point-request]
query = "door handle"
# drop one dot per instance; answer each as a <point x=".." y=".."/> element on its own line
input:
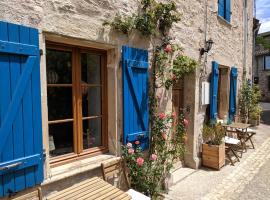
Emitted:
<point x="10" y="166"/>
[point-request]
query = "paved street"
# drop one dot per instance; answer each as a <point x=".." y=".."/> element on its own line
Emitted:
<point x="249" y="179"/>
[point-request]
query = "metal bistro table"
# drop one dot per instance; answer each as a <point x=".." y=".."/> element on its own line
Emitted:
<point x="241" y="130"/>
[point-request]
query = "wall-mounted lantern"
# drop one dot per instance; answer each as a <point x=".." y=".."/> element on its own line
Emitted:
<point x="208" y="46"/>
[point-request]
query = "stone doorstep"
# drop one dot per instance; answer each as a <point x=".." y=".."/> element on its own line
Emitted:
<point x="178" y="174"/>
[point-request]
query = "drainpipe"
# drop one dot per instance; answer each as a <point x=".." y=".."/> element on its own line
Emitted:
<point x="255" y="32"/>
<point x="245" y="39"/>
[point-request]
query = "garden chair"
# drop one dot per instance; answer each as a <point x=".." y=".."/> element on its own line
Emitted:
<point x="247" y="135"/>
<point x="231" y="145"/>
<point x="112" y="170"/>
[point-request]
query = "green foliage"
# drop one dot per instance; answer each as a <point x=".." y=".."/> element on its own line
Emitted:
<point x="124" y="25"/>
<point x="172" y="65"/>
<point x="151" y="18"/>
<point x="265" y="43"/>
<point x="249" y="101"/>
<point x="213" y="134"/>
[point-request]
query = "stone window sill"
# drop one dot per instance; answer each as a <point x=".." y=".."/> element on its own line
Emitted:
<point x="77" y="167"/>
<point x="223" y="21"/>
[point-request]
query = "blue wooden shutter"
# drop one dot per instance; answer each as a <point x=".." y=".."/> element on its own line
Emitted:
<point x="21" y="160"/>
<point x="221" y="8"/>
<point x="214" y="92"/>
<point x="233" y="93"/>
<point x="135" y="95"/>
<point x="228" y="10"/>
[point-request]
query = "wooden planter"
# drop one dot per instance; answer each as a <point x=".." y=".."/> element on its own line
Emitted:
<point x="213" y="156"/>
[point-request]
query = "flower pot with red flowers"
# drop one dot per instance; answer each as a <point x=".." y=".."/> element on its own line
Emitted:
<point x="213" y="149"/>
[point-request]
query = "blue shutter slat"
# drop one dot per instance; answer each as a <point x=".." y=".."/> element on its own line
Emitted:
<point x="20" y="109"/>
<point x="228" y="10"/>
<point x="135" y="95"/>
<point x="5" y="99"/>
<point x="221" y="8"/>
<point x="36" y="103"/>
<point x="233" y="92"/>
<point x="214" y="91"/>
<point x="15" y="69"/>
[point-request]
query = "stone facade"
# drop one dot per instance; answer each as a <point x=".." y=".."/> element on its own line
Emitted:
<point x="79" y="22"/>
<point x="259" y="71"/>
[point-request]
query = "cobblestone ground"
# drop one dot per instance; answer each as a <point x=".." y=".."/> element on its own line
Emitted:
<point x="249" y="179"/>
<point x="233" y="186"/>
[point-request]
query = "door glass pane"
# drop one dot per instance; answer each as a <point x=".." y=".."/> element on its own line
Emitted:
<point x="90" y="68"/>
<point x="91" y="101"/>
<point x="92" y="133"/>
<point x="60" y="139"/>
<point x="60" y="103"/>
<point x="59" y="69"/>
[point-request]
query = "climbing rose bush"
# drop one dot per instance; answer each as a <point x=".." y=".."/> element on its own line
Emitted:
<point x="147" y="172"/>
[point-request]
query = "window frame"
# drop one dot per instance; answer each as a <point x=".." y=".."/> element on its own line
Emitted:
<point x="79" y="153"/>
<point x="264" y="63"/>
<point x="224" y="13"/>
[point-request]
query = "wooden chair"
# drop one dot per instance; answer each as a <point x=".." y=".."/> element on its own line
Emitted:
<point x="112" y="170"/>
<point x="231" y="146"/>
<point x="247" y="135"/>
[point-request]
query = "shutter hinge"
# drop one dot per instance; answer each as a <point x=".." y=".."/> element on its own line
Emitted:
<point x="41" y="52"/>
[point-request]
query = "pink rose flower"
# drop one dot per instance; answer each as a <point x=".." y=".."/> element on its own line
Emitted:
<point x="131" y="151"/>
<point x="129" y="145"/>
<point x="173" y="76"/>
<point x="168" y="48"/>
<point x="153" y="157"/>
<point x="164" y="135"/>
<point x="186" y="122"/>
<point x="140" y="161"/>
<point x="173" y="114"/>
<point x="137" y="142"/>
<point x="162" y="115"/>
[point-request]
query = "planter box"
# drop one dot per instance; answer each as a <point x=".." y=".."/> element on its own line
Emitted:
<point x="213" y="156"/>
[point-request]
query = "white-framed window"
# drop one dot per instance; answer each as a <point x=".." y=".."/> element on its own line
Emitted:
<point x="267" y="62"/>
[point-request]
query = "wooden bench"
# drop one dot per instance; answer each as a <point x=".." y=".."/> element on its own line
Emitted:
<point x="90" y="189"/>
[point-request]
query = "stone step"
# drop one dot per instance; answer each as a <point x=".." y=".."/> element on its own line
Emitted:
<point x="178" y="175"/>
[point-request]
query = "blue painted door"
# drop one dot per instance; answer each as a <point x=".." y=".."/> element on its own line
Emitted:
<point x="21" y="160"/>
<point x="214" y="92"/>
<point x="228" y="10"/>
<point x="135" y="95"/>
<point x="221" y="8"/>
<point x="233" y="92"/>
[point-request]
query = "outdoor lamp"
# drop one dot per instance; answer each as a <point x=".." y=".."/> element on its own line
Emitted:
<point x="208" y="46"/>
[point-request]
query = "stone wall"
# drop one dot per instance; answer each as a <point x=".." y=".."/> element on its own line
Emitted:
<point x="259" y="71"/>
<point x="80" y="22"/>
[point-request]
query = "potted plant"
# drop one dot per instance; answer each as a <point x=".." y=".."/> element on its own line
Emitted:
<point x="255" y="116"/>
<point x="213" y="149"/>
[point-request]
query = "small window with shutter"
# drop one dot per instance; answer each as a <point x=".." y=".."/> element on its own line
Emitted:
<point x="224" y="9"/>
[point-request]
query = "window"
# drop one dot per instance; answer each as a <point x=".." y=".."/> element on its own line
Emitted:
<point x="267" y="62"/>
<point x="268" y="83"/>
<point x="76" y="101"/>
<point x="224" y="9"/>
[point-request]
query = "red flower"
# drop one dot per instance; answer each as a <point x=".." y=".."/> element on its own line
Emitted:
<point x="131" y="151"/>
<point x="137" y="142"/>
<point x="129" y="145"/>
<point x="162" y="115"/>
<point x="173" y="114"/>
<point x="186" y="123"/>
<point x="164" y="135"/>
<point x="153" y="157"/>
<point x="140" y="161"/>
<point x="168" y="48"/>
